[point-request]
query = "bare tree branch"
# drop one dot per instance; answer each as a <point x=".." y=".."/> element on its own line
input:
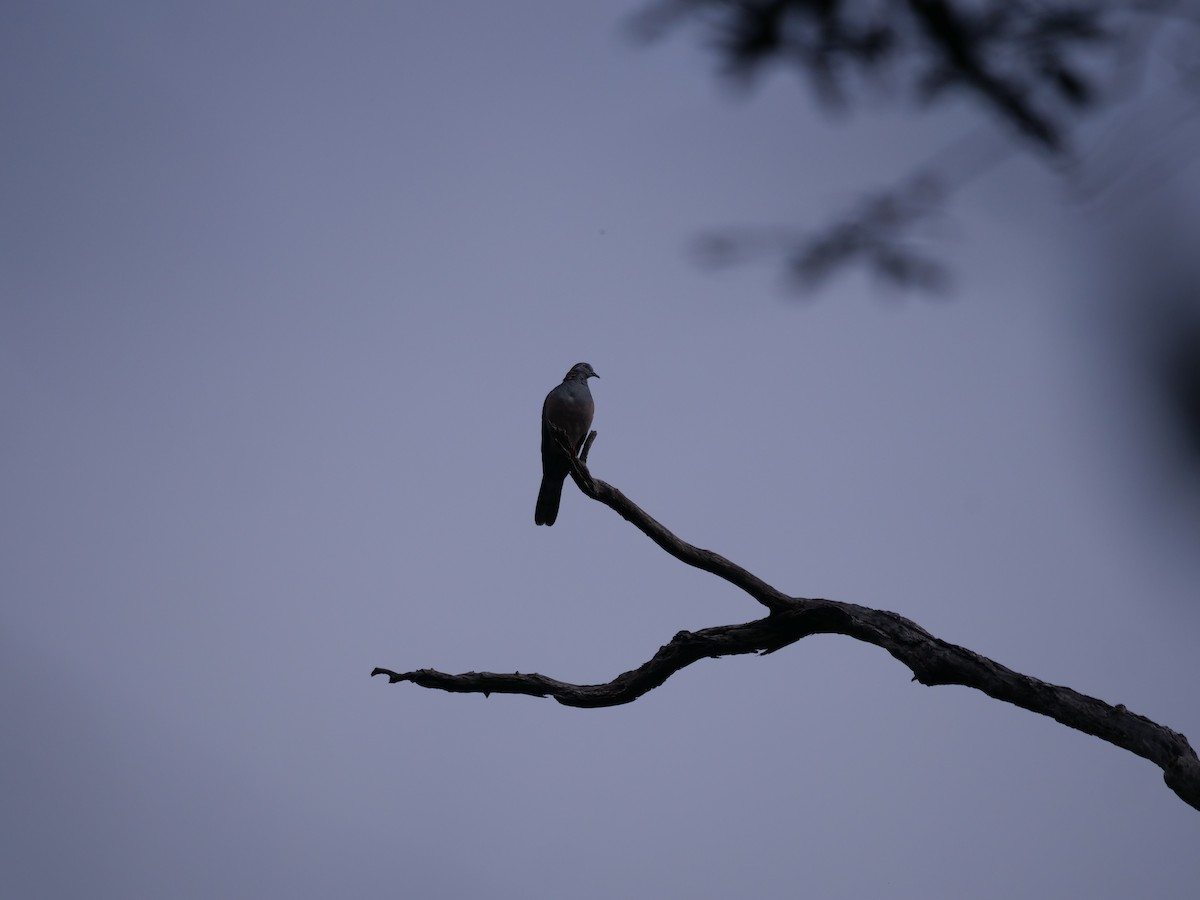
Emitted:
<point x="718" y="565"/>
<point x="931" y="660"/>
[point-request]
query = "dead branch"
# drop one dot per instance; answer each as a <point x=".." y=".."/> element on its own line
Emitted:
<point x="931" y="660"/>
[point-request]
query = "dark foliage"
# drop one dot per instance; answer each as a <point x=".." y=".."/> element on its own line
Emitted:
<point x="877" y="235"/>
<point x="1024" y="61"/>
<point x="1037" y="68"/>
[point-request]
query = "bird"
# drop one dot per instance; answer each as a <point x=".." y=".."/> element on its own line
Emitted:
<point x="570" y="408"/>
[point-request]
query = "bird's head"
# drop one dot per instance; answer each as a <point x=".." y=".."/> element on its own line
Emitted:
<point x="581" y="372"/>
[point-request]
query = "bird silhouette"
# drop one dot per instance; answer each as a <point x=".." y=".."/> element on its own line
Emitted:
<point x="570" y="408"/>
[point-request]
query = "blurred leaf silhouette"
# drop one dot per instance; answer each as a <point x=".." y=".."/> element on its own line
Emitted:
<point x="877" y="234"/>
<point x="1021" y="60"/>
<point x="1037" y="68"/>
<point x="1040" y="71"/>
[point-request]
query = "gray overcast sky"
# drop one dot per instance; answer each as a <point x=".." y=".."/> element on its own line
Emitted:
<point x="283" y="286"/>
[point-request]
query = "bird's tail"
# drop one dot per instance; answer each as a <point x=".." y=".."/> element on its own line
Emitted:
<point x="549" y="497"/>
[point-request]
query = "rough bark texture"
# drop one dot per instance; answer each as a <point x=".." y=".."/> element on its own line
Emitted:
<point x="932" y="661"/>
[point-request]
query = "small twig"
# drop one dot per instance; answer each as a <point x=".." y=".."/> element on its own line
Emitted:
<point x="587" y="446"/>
